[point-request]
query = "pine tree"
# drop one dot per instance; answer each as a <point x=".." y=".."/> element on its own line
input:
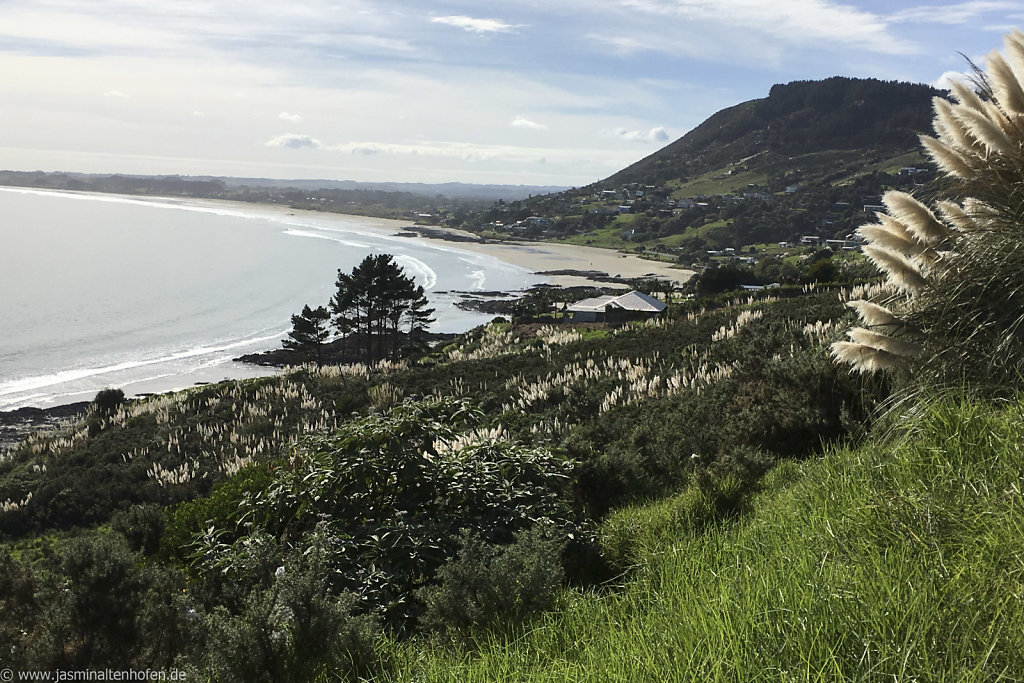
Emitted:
<point x="310" y="332"/>
<point x="374" y="302"/>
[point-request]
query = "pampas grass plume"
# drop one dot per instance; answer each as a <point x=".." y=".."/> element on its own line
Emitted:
<point x="916" y="217"/>
<point x="864" y="358"/>
<point x="951" y="130"/>
<point x="875" y="315"/>
<point x="882" y="342"/>
<point x="1005" y="84"/>
<point x="989" y="133"/>
<point x="884" y="236"/>
<point x="951" y="162"/>
<point x="966" y="96"/>
<point x="903" y="274"/>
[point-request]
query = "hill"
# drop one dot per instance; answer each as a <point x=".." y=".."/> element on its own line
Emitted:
<point x="891" y="561"/>
<point x="876" y="119"/>
<point x="812" y="158"/>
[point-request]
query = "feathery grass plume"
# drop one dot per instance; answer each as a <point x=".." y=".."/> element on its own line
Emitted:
<point x="955" y="215"/>
<point x="903" y="274"/>
<point x="885" y="236"/>
<point x="917" y="218"/>
<point x="985" y="216"/>
<point x="865" y="359"/>
<point x="966" y="96"/>
<point x="957" y="308"/>
<point x="950" y="129"/>
<point x="883" y="342"/>
<point x="988" y="132"/>
<point x="1007" y="122"/>
<point x="1013" y="43"/>
<point x="948" y="160"/>
<point x="1005" y="84"/>
<point x="876" y="316"/>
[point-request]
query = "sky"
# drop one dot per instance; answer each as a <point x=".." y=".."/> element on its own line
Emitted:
<point x="552" y="92"/>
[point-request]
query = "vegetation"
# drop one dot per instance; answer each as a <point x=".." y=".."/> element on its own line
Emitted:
<point x="950" y="297"/>
<point x="310" y="333"/>
<point x="373" y="302"/>
<point x="897" y="560"/>
<point x="809" y="159"/>
<point x="706" y="496"/>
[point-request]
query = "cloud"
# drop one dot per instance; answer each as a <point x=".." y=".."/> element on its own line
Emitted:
<point x="117" y="94"/>
<point x="476" y="25"/>
<point x="470" y="152"/>
<point x="944" y="82"/>
<point x="286" y="116"/>
<point x="294" y="141"/>
<point x="522" y="122"/>
<point x="658" y="134"/>
<point x="952" y="14"/>
<point x="791" y="21"/>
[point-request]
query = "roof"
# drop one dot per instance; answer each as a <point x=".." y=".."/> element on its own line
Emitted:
<point x="630" y="301"/>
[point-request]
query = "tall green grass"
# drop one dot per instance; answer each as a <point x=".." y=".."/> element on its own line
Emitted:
<point x="902" y="560"/>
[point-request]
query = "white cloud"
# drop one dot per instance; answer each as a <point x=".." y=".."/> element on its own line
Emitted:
<point x="944" y="82"/>
<point x="117" y="94"/>
<point x="522" y="122"/>
<point x="288" y="116"/>
<point x="658" y="134"/>
<point x="801" y="22"/>
<point x="952" y="14"/>
<point x="476" y="25"/>
<point x="294" y="141"/>
<point x="475" y="152"/>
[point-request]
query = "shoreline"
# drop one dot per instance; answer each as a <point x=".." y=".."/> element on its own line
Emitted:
<point x="557" y="264"/>
<point x="536" y="256"/>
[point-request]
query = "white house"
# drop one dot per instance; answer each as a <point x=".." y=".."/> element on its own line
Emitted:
<point x="621" y="308"/>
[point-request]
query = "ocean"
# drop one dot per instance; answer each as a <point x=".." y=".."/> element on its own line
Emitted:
<point x="154" y="294"/>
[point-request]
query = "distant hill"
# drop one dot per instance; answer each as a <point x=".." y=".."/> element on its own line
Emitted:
<point x="812" y="158"/>
<point x="874" y="118"/>
<point x="229" y="187"/>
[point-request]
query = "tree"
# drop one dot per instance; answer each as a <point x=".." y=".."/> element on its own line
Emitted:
<point x="309" y="333"/>
<point x="374" y="302"/>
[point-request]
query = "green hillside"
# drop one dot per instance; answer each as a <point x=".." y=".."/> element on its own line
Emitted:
<point x="805" y="160"/>
<point x="857" y="122"/>
<point x="899" y="560"/>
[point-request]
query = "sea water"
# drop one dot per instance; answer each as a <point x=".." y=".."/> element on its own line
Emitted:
<point x="154" y="294"/>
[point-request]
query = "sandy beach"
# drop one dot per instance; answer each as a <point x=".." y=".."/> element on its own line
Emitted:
<point x="535" y="256"/>
<point x="549" y="256"/>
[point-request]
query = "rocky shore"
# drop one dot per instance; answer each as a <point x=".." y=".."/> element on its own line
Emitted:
<point x="15" y="425"/>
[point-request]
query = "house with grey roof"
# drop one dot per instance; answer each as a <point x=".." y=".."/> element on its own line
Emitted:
<point x="632" y="305"/>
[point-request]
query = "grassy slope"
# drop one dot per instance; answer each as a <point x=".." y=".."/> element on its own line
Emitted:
<point x="898" y="561"/>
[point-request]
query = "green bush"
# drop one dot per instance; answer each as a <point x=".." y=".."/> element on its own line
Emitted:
<point x="293" y="630"/>
<point x="488" y="586"/>
<point x="386" y="497"/>
<point x="141" y="525"/>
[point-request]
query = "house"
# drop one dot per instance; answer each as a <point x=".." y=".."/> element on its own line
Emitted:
<point x="632" y="305"/>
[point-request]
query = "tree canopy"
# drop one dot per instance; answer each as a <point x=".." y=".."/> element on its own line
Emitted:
<point x="375" y="304"/>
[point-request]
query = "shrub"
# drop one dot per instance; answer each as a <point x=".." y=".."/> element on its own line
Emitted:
<point x="387" y="497"/>
<point x="488" y="586"/>
<point x="141" y="525"/>
<point x="293" y="630"/>
<point x="107" y="401"/>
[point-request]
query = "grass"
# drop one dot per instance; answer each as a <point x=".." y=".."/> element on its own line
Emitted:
<point x="901" y="560"/>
